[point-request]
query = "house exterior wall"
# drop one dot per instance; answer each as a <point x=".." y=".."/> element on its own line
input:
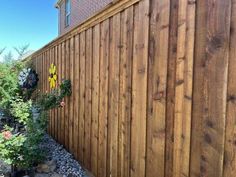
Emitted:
<point x="80" y="11"/>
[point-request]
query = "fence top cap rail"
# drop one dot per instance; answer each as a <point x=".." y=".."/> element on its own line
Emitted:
<point x="111" y="9"/>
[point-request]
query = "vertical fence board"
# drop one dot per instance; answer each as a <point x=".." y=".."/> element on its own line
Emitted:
<point x="183" y="89"/>
<point x="230" y="134"/>
<point x="126" y="55"/>
<point x="58" y="85"/>
<point x="210" y="87"/>
<point x="82" y="97"/>
<point x="67" y="100"/>
<point x="53" y="110"/>
<point x="170" y="105"/>
<point x="63" y="108"/>
<point x="56" y="110"/>
<point x="88" y="97"/>
<point x="103" y="98"/>
<point x="113" y="103"/>
<point x="76" y="96"/>
<point x="71" y="99"/>
<point x="157" y="84"/>
<point x="95" y="99"/>
<point x="48" y="89"/>
<point x="139" y="89"/>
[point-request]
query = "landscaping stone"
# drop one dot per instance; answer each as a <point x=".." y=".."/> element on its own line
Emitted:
<point x="56" y="175"/>
<point x="66" y="165"/>
<point x="43" y="168"/>
<point x="47" y="167"/>
<point x="41" y="175"/>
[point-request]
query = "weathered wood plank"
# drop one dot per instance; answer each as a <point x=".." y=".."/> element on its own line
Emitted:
<point x="59" y="112"/>
<point x="48" y="62"/>
<point x="113" y="94"/>
<point x="157" y="84"/>
<point x="51" y="56"/>
<point x="67" y="100"/>
<point x="71" y="98"/>
<point x="230" y="130"/>
<point x="103" y="98"/>
<point x="210" y="87"/>
<point x="88" y="97"/>
<point x="171" y="72"/>
<point x="56" y="110"/>
<point x="139" y="89"/>
<point x="183" y="89"/>
<point x="82" y="97"/>
<point x="126" y="55"/>
<point x="95" y="99"/>
<point x="63" y="108"/>
<point x="230" y="134"/>
<point x="76" y="96"/>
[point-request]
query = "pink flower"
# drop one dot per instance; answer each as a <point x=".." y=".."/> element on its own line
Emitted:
<point x="7" y="135"/>
<point x="62" y="104"/>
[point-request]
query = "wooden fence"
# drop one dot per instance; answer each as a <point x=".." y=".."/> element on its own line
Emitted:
<point x="154" y="89"/>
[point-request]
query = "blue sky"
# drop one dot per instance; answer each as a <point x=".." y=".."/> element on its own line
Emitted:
<point x="27" y="21"/>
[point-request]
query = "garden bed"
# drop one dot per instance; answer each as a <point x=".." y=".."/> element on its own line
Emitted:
<point x="58" y="162"/>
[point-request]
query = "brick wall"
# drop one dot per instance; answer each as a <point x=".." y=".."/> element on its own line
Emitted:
<point x="80" y="11"/>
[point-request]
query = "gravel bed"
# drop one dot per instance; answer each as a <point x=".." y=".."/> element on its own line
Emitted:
<point x="66" y="164"/>
<point x="4" y="168"/>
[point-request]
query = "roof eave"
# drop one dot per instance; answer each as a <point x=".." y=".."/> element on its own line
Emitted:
<point x="57" y="5"/>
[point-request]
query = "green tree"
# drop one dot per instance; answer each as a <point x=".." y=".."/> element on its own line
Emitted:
<point x="21" y="50"/>
<point x="8" y="58"/>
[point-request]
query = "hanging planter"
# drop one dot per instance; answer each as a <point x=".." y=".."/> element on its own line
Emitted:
<point x="52" y="76"/>
<point x="28" y="78"/>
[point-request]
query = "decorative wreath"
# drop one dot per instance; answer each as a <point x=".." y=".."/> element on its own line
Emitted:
<point x="28" y="78"/>
<point x="52" y="76"/>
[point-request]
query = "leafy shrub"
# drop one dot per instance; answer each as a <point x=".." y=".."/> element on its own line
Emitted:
<point x="9" y="82"/>
<point x="11" y="146"/>
<point x="21" y="149"/>
<point x="21" y="109"/>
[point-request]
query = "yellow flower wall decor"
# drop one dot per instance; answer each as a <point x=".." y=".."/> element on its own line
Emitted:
<point x="52" y="76"/>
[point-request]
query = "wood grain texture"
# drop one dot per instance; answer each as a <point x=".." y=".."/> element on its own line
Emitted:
<point x="210" y="88"/>
<point x="63" y="108"/>
<point x="126" y="57"/>
<point x="88" y="97"/>
<point x="67" y="103"/>
<point x="56" y="110"/>
<point x="139" y="89"/>
<point x="103" y="99"/>
<point x="82" y="97"/>
<point x="76" y="96"/>
<point x="95" y="99"/>
<point x="183" y="88"/>
<point x="230" y="129"/>
<point x="113" y="96"/>
<point x="153" y="86"/>
<point x="71" y="98"/>
<point x="157" y="82"/>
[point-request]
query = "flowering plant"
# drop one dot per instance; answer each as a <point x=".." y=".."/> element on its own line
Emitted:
<point x="19" y="147"/>
<point x="11" y="146"/>
<point x="54" y="98"/>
